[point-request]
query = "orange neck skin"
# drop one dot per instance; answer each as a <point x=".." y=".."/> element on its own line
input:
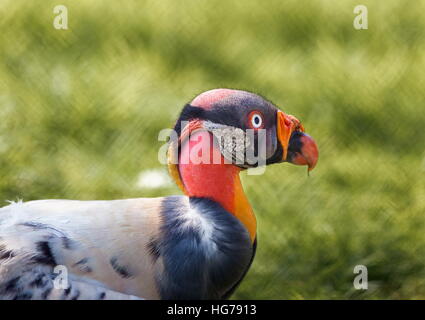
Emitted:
<point x="219" y="182"/>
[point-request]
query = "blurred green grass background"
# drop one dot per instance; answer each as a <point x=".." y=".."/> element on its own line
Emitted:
<point x="80" y="112"/>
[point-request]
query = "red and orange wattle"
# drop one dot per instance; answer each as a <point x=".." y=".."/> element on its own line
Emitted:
<point x="217" y="181"/>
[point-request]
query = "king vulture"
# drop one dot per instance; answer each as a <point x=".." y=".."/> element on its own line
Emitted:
<point x="193" y="246"/>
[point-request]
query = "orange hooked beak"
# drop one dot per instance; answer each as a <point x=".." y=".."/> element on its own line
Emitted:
<point x="298" y="148"/>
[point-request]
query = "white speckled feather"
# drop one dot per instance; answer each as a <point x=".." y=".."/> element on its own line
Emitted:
<point x="110" y="237"/>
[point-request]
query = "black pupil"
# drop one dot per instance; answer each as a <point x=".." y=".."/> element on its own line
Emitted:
<point x="257" y="120"/>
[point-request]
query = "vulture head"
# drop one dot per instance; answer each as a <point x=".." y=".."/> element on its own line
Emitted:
<point x="235" y="118"/>
<point x="224" y="131"/>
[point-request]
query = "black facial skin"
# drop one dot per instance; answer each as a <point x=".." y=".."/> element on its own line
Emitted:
<point x="234" y="111"/>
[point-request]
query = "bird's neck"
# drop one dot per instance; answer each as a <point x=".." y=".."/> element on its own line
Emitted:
<point x="219" y="182"/>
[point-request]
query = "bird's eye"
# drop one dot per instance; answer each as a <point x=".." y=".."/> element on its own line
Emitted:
<point x="256" y="120"/>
